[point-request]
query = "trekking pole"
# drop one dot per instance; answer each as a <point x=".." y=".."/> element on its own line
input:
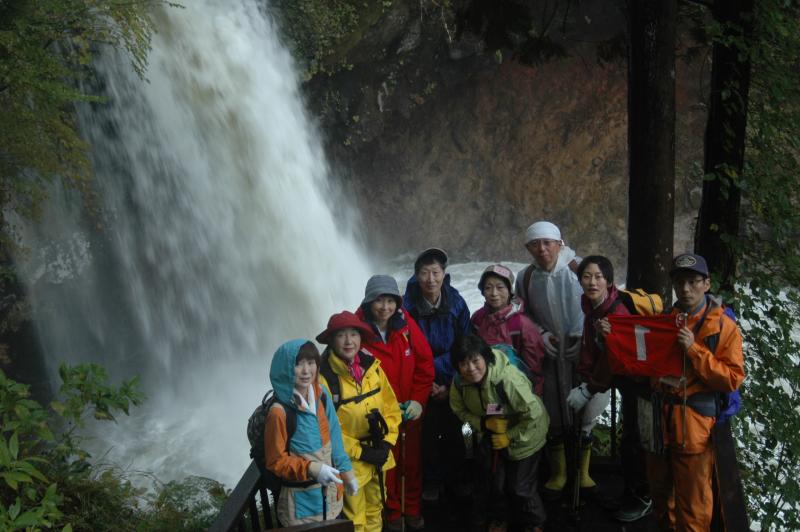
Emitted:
<point x="576" y="483"/>
<point x="324" y="503"/>
<point x="402" y="478"/>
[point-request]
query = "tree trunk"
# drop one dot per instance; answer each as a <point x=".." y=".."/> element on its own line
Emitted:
<point x="724" y="143"/>
<point x="651" y="143"/>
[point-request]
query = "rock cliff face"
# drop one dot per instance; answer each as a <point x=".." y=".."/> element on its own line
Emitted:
<point x="449" y="132"/>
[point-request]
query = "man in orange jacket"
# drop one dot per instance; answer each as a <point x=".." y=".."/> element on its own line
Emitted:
<point x="680" y="476"/>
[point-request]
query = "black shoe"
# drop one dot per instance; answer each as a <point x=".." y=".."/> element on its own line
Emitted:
<point x="634" y="508"/>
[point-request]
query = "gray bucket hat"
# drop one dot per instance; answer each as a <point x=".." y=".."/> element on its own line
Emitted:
<point x="382" y="285"/>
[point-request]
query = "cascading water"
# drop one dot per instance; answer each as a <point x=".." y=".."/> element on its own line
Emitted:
<point x="223" y="238"/>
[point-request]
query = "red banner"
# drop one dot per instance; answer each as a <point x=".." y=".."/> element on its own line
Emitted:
<point x="644" y="346"/>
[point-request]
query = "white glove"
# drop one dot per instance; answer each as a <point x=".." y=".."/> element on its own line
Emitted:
<point x="578" y="397"/>
<point x="412" y="410"/>
<point x="351" y="486"/>
<point x="326" y="475"/>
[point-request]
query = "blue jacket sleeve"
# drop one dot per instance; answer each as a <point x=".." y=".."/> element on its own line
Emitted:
<point x="339" y="457"/>
<point x="444" y="369"/>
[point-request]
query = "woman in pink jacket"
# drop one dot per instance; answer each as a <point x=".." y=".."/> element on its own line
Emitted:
<point x="502" y="320"/>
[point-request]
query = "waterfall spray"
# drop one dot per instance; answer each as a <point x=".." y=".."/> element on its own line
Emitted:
<point x="223" y="238"/>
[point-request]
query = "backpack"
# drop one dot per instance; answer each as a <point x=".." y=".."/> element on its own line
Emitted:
<point x="255" y="435"/>
<point x="513" y="324"/>
<point x="639" y="302"/>
<point x="515" y="360"/>
<point x="729" y="403"/>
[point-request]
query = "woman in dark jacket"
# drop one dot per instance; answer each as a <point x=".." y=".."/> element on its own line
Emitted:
<point x="601" y="299"/>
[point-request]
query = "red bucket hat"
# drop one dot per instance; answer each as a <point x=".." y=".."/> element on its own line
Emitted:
<point x="345" y="320"/>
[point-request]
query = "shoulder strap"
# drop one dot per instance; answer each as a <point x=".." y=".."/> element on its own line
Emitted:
<point x="332" y="379"/>
<point x="515" y="332"/>
<point x="334" y="384"/>
<point x="712" y="341"/>
<point x="573" y="265"/>
<point x="526" y="281"/>
<point x="289" y="414"/>
<point x="501" y="392"/>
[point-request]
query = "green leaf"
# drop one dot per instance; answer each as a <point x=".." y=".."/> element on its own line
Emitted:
<point x="13" y="446"/>
<point x="29" y="518"/>
<point x="13" y="511"/>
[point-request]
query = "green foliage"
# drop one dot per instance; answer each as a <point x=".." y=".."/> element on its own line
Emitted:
<point x="36" y="465"/>
<point x="768" y="254"/>
<point x="767" y="427"/>
<point x="772" y="173"/>
<point x="47" y="481"/>
<point x="45" y="48"/>
<point x="321" y="33"/>
<point x="187" y="505"/>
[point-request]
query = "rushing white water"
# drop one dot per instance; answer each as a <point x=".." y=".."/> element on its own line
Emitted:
<point x="225" y="239"/>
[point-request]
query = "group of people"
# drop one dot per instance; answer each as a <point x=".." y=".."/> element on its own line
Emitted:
<point x="381" y="415"/>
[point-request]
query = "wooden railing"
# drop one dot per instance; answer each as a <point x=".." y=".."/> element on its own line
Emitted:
<point x="241" y="513"/>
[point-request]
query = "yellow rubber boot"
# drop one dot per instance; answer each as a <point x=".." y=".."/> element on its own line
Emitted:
<point x="558" y="469"/>
<point x="585" y="480"/>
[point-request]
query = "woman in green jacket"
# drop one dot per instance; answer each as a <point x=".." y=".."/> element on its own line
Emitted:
<point x="510" y="424"/>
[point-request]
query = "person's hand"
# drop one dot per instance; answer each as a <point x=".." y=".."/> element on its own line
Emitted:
<point x="500" y="441"/>
<point x="350" y="482"/>
<point x="496" y="424"/>
<point x="578" y="397"/>
<point x="412" y="410"/>
<point x="550" y="339"/>
<point x="439" y="391"/>
<point x="550" y="343"/>
<point x="375" y="456"/>
<point x="327" y="474"/>
<point x="351" y="485"/>
<point x="685" y="338"/>
<point x="603" y="326"/>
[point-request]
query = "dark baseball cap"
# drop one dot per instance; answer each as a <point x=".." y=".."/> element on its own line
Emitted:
<point x="436" y="254"/>
<point x="689" y="262"/>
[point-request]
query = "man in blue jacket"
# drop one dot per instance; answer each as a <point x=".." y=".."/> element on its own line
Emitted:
<point x="442" y="314"/>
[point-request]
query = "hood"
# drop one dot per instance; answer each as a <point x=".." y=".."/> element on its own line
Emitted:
<point x="515" y="307"/>
<point x="565" y="256"/>
<point x="414" y="293"/>
<point x="281" y="371"/>
<point x="602" y="310"/>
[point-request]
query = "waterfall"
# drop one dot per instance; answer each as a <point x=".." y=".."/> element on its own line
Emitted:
<point x="222" y="238"/>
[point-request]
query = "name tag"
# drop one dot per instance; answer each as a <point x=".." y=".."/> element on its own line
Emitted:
<point x="494" y="409"/>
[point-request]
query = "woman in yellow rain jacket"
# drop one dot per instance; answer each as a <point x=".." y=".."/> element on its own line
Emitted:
<point x="368" y="412"/>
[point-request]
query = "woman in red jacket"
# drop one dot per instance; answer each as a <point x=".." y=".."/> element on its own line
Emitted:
<point x="407" y="360"/>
